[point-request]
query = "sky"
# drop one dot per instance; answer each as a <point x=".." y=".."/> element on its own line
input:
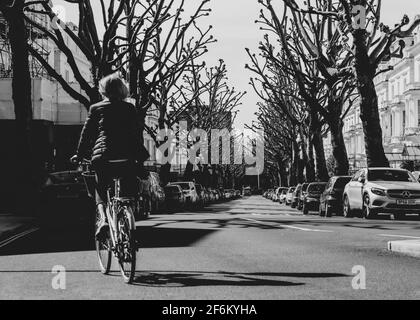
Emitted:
<point x="235" y="29"/>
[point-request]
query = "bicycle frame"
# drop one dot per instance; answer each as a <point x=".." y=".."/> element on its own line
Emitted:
<point x="115" y="202"/>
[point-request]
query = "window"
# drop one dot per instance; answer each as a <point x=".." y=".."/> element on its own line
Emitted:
<point x="390" y="175"/>
<point x="418" y="113"/>
<point x="391" y="123"/>
<point x="403" y="122"/>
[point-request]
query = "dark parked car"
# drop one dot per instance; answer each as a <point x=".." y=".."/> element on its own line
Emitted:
<point x="302" y="196"/>
<point x="331" y="200"/>
<point x="296" y="196"/>
<point x="247" y="191"/>
<point x="313" y="194"/>
<point x="201" y="195"/>
<point x="175" y="198"/>
<point x="64" y="197"/>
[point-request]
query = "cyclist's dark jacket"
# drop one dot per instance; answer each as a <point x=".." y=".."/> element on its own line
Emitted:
<point x="112" y="129"/>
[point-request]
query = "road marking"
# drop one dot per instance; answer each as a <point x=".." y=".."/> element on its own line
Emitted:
<point x="397" y="236"/>
<point x="287" y="226"/>
<point x="17" y="236"/>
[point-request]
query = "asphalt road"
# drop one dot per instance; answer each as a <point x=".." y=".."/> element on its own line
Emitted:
<point x="249" y="248"/>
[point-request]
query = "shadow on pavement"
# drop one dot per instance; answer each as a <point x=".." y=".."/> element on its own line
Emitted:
<point x="75" y="239"/>
<point x="194" y="279"/>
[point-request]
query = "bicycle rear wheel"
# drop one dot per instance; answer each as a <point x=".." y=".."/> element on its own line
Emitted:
<point x="103" y="250"/>
<point x="126" y="243"/>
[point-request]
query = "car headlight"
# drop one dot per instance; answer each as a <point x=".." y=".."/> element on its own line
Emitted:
<point x="379" y="192"/>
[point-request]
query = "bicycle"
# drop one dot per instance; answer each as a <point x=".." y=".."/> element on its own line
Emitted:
<point x="119" y="239"/>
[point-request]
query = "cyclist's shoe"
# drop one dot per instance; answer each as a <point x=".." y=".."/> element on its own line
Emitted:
<point x="102" y="229"/>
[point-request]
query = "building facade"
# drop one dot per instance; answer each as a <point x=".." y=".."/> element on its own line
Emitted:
<point x="398" y="93"/>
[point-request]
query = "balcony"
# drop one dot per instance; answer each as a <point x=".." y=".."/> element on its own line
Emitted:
<point x="397" y="100"/>
<point x="413" y="86"/>
<point x="397" y="139"/>
<point x="411" y="131"/>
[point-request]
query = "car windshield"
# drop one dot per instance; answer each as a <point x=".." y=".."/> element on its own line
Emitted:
<point x="184" y="186"/>
<point x="390" y="175"/>
<point x="305" y="186"/>
<point x="316" y="187"/>
<point x="341" y="182"/>
<point x="172" y="189"/>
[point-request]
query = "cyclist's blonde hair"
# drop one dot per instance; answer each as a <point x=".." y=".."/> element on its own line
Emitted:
<point x="113" y="87"/>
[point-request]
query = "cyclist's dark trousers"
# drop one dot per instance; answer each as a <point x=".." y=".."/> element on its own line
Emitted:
<point x="106" y="172"/>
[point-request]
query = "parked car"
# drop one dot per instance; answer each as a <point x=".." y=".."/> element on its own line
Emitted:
<point x="296" y="196"/>
<point x="175" y="198"/>
<point x="64" y="196"/>
<point x="157" y="193"/>
<point x="331" y="200"/>
<point x="381" y="190"/>
<point x="201" y="195"/>
<point x="278" y="193"/>
<point x="247" y="191"/>
<point x="313" y="194"/>
<point x="274" y="196"/>
<point x="237" y="194"/>
<point x="282" y="197"/>
<point x="289" y="195"/>
<point x="190" y="192"/>
<point x="302" y="195"/>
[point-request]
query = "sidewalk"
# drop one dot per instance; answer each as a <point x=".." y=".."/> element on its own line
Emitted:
<point x="11" y="225"/>
<point x="407" y="247"/>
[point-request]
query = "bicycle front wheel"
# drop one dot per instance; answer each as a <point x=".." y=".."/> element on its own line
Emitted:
<point x="126" y="243"/>
<point x="103" y="250"/>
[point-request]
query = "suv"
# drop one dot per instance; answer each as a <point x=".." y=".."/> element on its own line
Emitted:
<point x="313" y="194"/>
<point x="381" y="190"/>
<point x="331" y="199"/>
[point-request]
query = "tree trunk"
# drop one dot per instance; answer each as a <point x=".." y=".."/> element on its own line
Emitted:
<point x="282" y="173"/>
<point x="369" y="113"/>
<point x="341" y="167"/>
<point x="321" y="163"/>
<point x="21" y="95"/>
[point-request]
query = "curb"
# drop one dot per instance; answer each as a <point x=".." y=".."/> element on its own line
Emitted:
<point x="407" y="247"/>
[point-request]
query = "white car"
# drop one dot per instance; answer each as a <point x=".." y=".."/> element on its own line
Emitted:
<point x="381" y="190"/>
<point x="289" y="195"/>
<point x="189" y="190"/>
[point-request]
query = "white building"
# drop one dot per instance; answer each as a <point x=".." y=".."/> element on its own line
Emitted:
<point x="398" y="93"/>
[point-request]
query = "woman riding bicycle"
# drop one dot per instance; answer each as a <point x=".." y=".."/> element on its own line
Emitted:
<point x="111" y="132"/>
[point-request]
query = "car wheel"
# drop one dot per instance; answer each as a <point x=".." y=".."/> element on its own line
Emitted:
<point x="328" y="210"/>
<point x="347" y="211"/>
<point x="305" y="209"/>
<point x="368" y="212"/>
<point x="400" y="216"/>
<point x="320" y="211"/>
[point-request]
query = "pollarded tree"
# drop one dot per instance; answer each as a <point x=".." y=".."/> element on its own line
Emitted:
<point x="369" y="43"/>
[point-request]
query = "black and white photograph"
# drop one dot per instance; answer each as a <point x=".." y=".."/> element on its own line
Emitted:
<point x="209" y="155"/>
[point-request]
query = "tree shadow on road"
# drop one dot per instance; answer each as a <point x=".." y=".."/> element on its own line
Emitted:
<point x="222" y="278"/>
